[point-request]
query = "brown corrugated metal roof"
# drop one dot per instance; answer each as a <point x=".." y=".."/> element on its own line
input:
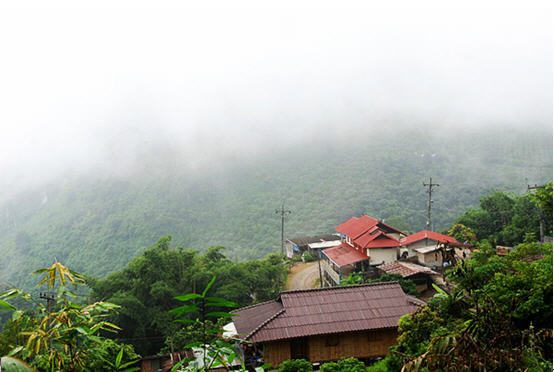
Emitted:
<point x="328" y="310"/>
<point x="253" y="316"/>
<point x="405" y="269"/>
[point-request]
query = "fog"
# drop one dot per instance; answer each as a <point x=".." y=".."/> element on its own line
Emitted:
<point x="106" y="87"/>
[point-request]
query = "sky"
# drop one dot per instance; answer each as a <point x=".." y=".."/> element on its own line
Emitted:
<point x="83" y="87"/>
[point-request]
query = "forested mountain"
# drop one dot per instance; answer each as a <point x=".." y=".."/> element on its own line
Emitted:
<point x="97" y="223"/>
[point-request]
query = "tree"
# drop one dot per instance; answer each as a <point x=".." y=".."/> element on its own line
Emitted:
<point x="69" y="337"/>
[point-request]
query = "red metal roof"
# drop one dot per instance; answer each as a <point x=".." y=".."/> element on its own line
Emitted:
<point x="355" y="226"/>
<point x="426" y="234"/>
<point x="375" y="238"/>
<point x="344" y="255"/>
<point x="333" y="310"/>
<point x="406" y="269"/>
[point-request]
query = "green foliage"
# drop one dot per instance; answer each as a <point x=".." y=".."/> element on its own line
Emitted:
<point x="111" y="356"/>
<point x="408" y="286"/>
<point x="462" y="233"/>
<point x="216" y="353"/>
<point x="308" y="257"/>
<point x="344" y="365"/>
<point x="147" y="287"/>
<point x="543" y="198"/>
<point x="390" y="363"/>
<point x="296" y="365"/>
<point x="67" y="338"/>
<point x="497" y="316"/>
<point x="353" y="279"/>
<point x="97" y="224"/>
<point x="503" y="218"/>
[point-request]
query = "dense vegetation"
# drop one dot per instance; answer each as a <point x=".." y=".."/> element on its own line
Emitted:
<point x="98" y="223"/>
<point x="495" y="314"/>
<point x="146" y="289"/>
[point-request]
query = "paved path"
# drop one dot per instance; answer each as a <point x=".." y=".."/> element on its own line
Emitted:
<point x="303" y="275"/>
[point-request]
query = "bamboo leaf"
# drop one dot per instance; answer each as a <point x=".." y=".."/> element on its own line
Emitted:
<point x="184" y="309"/>
<point x="221" y="302"/>
<point x="188" y="297"/>
<point x="208" y="286"/>
<point x="118" y="358"/>
<point x="6" y="306"/>
<point x="218" y="314"/>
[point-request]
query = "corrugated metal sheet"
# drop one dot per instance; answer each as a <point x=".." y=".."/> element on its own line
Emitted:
<point x="405" y="269"/>
<point x="355" y="227"/>
<point x="252" y="317"/>
<point x="344" y="255"/>
<point x="426" y="234"/>
<point x="330" y="310"/>
<point x="376" y="240"/>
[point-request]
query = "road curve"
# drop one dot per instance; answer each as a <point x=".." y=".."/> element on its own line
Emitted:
<point x="303" y="276"/>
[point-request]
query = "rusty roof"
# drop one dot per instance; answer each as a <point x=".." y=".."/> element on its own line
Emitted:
<point x="406" y="269"/>
<point x="326" y="311"/>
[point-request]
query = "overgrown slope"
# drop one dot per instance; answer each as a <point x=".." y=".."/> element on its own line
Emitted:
<point x="97" y="224"/>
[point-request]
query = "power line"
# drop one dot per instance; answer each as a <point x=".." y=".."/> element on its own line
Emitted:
<point x="430" y="192"/>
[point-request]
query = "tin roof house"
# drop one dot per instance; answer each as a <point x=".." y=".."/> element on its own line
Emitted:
<point x="326" y="324"/>
<point x="425" y="246"/>
<point x="365" y="241"/>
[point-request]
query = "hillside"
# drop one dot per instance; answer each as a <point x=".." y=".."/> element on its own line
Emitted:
<point x="97" y="223"/>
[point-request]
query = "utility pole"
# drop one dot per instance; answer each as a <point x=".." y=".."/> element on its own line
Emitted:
<point x="541" y="214"/>
<point x="430" y="192"/>
<point x="282" y="212"/>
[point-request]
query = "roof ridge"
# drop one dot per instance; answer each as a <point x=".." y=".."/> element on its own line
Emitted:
<point x="254" y="305"/>
<point x="264" y="323"/>
<point x="331" y="288"/>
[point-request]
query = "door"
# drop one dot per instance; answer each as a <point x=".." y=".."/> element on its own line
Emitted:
<point x="299" y="348"/>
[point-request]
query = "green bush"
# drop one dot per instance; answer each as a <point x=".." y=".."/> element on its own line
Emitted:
<point x="296" y="365"/>
<point x="308" y="257"/>
<point x="344" y="365"/>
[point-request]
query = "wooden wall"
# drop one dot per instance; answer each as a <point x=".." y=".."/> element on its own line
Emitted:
<point x="276" y="352"/>
<point x="367" y="344"/>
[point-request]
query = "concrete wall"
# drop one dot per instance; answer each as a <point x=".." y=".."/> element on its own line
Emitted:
<point x="379" y="255"/>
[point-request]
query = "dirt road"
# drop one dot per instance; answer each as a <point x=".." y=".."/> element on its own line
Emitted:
<point x="303" y="275"/>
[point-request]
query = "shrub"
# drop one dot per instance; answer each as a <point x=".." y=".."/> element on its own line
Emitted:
<point x="308" y="257"/>
<point x="344" y="365"/>
<point x="296" y="365"/>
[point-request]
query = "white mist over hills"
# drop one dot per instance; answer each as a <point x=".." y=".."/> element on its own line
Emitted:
<point x="105" y="88"/>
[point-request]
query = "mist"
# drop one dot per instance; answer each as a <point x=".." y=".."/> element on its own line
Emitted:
<point x="106" y="89"/>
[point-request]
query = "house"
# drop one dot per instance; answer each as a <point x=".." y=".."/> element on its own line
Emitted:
<point x="372" y="238"/>
<point x="326" y="324"/>
<point x="337" y="263"/>
<point x="425" y="245"/>
<point x="298" y="246"/>
<point x="420" y="275"/>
